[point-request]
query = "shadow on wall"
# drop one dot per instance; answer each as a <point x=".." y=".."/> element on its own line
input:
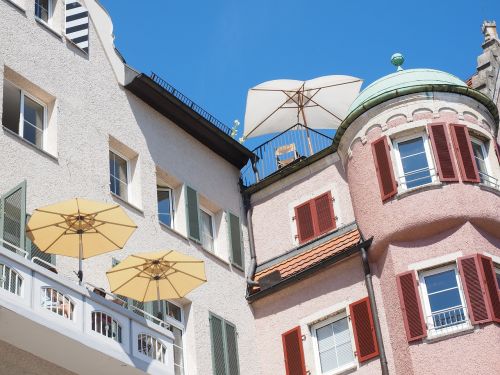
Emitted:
<point x="339" y="277"/>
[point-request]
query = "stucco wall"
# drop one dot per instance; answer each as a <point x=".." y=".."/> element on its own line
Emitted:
<point x="471" y="352"/>
<point x="273" y="207"/>
<point x="301" y="303"/>
<point x="91" y="107"/>
<point x="428" y="209"/>
<point x="20" y="362"/>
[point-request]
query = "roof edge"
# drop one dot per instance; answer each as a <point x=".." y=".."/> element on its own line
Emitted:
<point x="386" y="96"/>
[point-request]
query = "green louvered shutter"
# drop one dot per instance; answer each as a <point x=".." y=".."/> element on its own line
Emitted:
<point x="13" y="218"/>
<point x="232" y="349"/>
<point x="34" y="252"/>
<point x="235" y="244"/>
<point x="192" y="214"/>
<point x="218" y="345"/>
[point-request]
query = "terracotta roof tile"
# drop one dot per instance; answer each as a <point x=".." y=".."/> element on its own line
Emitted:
<point x="311" y="257"/>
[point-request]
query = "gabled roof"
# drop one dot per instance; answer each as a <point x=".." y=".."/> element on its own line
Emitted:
<point x="302" y="261"/>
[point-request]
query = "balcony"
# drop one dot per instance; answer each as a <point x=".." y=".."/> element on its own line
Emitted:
<point x="75" y="328"/>
<point x="284" y="151"/>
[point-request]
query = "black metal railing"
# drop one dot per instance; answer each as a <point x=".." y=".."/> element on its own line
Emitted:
<point x="188" y="102"/>
<point x="283" y="150"/>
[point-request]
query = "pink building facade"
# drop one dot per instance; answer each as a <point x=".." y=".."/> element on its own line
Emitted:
<point x="382" y="254"/>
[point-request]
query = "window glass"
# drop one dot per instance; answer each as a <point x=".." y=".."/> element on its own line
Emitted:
<point x="118" y="175"/>
<point x="414" y="162"/>
<point x="334" y="345"/>
<point x="174" y="311"/>
<point x="178" y="355"/>
<point x="207" y="235"/>
<point x="33" y="121"/>
<point x="444" y="298"/>
<point x="11" y="106"/>
<point x="42" y="9"/>
<point x="165" y="206"/>
<point x="480" y="157"/>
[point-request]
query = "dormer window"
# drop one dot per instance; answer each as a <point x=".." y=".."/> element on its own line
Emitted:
<point x="43" y="10"/>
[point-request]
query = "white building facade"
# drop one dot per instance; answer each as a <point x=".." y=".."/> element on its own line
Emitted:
<point x="78" y="122"/>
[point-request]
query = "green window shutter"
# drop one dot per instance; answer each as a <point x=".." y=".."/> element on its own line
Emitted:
<point x="34" y="251"/>
<point x="235" y="242"/>
<point x="232" y="349"/>
<point x="224" y="347"/>
<point x="192" y="214"/>
<point x="218" y="345"/>
<point x="13" y="217"/>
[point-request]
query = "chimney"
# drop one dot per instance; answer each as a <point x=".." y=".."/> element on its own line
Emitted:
<point x="489" y="30"/>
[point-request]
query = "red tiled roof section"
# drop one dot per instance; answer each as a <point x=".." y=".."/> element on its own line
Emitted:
<point x="311" y="257"/>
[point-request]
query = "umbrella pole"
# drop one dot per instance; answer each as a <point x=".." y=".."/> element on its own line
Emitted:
<point x="80" y="260"/>
<point x="160" y="314"/>
<point x="307" y="131"/>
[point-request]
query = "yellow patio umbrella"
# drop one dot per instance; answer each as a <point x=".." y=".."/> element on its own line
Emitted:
<point x="157" y="276"/>
<point x="80" y="228"/>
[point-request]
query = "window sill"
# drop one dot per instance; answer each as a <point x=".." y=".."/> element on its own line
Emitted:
<point x="213" y="255"/>
<point x="126" y="203"/>
<point x="418" y="189"/>
<point x="49" y="28"/>
<point x="17" y="6"/>
<point x="347" y="369"/>
<point x="445" y="336"/>
<point x="24" y="141"/>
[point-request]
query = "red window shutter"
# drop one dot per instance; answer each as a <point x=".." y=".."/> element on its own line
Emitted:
<point x="464" y="153"/>
<point x="324" y="213"/>
<point x="497" y="150"/>
<point x="474" y="289"/>
<point x="383" y="166"/>
<point x="442" y="152"/>
<point x="363" y="329"/>
<point x="490" y="282"/>
<point x="411" y="306"/>
<point x="294" y="352"/>
<point x="305" y="221"/>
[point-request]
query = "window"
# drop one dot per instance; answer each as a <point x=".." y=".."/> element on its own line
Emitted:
<point x="105" y="325"/>
<point x="481" y="155"/>
<point x="414" y="161"/>
<point x="43" y="10"/>
<point x="151" y="347"/>
<point x="119" y="175"/>
<point x="333" y="344"/>
<point x="224" y="347"/>
<point x="57" y="302"/>
<point x="315" y="217"/>
<point x="165" y="206"/>
<point x="24" y="115"/>
<point x="444" y="303"/>
<point x="207" y="230"/>
<point x="10" y="280"/>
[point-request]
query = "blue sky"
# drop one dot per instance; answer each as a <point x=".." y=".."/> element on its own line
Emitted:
<point x="214" y="51"/>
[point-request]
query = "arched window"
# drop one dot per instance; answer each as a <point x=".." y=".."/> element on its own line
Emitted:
<point x="10" y="280"/>
<point x="57" y="302"/>
<point x="151" y="347"/>
<point x="105" y="325"/>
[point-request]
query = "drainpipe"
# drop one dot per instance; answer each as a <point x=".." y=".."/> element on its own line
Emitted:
<point x="376" y="321"/>
<point x="253" y="258"/>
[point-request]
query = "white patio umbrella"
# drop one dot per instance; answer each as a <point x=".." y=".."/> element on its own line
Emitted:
<point x="320" y="103"/>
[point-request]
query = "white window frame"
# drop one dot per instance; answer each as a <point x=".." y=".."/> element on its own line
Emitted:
<point x="50" y="13"/>
<point x="212" y="215"/>
<point x="181" y="325"/>
<point x="496" y="268"/>
<point x="172" y="205"/>
<point x="485" y="152"/>
<point x="127" y="160"/>
<point x="430" y="160"/>
<point x="431" y="332"/>
<point x="317" y="361"/>
<point x="20" y="130"/>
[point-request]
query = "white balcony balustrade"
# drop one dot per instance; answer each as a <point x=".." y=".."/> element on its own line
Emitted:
<point x="67" y="324"/>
